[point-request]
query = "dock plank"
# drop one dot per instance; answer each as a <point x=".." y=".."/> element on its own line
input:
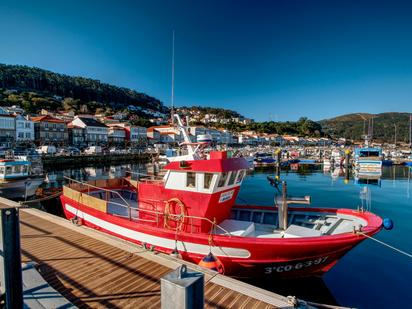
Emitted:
<point x="93" y="274"/>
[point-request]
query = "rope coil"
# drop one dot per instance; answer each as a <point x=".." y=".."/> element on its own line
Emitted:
<point x="179" y="219"/>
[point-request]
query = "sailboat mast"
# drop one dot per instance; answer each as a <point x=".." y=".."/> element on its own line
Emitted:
<point x="173" y="77"/>
<point x="410" y="131"/>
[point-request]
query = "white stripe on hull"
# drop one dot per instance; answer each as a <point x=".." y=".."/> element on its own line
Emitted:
<point x="158" y="241"/>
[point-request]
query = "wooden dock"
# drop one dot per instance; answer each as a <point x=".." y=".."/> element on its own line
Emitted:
<point x="95" y="270"/>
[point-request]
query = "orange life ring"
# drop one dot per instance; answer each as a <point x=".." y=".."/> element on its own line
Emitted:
<point x="178" y="218"/>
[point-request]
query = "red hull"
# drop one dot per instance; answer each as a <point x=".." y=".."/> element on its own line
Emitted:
<point x="241" y="256"/>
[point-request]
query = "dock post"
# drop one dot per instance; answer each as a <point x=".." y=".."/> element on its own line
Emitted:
<point x="11" y="284"/>
<point x="283" y="208"/>
<point x="347" y="160"/>
<point x="278" y="161"/>
<point x="183" y="289"/>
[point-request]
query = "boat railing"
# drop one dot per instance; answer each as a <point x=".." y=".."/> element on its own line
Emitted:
<point x="147" y="177"/>
<point x="88" y="185"/>
<point x="158" y="215"/>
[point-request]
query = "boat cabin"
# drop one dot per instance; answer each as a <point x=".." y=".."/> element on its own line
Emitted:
<point x="199" y="188"/>
<point x="12" y="169"/>
<point x="364" y="153"/>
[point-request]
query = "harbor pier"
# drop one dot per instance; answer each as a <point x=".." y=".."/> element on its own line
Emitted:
<point x="83" y="160"/>
<point x="95" y="270"/>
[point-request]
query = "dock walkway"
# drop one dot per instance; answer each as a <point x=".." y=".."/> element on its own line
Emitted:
<point x="95" y="270"/>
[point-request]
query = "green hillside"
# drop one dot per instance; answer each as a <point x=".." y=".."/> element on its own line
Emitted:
<point x="352" y="126"/>
<point x="34" y="89"/>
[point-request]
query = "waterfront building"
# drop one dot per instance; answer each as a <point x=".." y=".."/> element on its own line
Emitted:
<point x="76" y="135"/>
<point x="226" y="137"/>
<point x="66" y="116"/>
<point x="291" y="140"/>
<point x="134" y="135"/>
<point x="116" y="135"/>
<point x="153" y="135"/>
<point x="7" y="130"/>
<point x="164" y="134"/>
<point x="24" y="129"/>
<point x="108" y="120"/>
<point x="194" y="131"/>
<point x="248" y="138"/>
<point x="95" y="132"/>
<point x="50" y="130"/>
<point x="216" y="135"/>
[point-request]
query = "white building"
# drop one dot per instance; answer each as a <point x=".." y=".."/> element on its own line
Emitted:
<point x="164" y="134"/>
<point x="95" y="132"/>
<point x="117" y="134"/>
<point x="194" y="131"/>
<point x="134" y="134"/>
<point x="24" y="129"/>
<point x="137" y="134"/>
<point x="7" y="130"/>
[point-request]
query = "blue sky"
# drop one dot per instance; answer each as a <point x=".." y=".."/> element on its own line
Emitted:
<point x="276" y="60"/>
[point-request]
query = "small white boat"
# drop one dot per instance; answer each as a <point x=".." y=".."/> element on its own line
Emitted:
<point x="16" y="181"/>
<point x="368" y="160"/>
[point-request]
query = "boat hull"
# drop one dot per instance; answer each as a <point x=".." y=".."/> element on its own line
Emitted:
<point x="242" y="257"/>
<point x="19" y="189"/>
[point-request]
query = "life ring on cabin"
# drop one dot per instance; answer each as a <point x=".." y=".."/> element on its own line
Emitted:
<point x="177" y="217"/>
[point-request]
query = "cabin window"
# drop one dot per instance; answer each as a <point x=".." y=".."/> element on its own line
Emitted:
<point x="8" y="170"/>
<point x="2" y="170"/>
<point x="17" y="169"/>
<point x="240" y="176"/>
<point x="222" y="180"/>
<point x="25" y="168"/>
<point x="232" y="178"/>
<point x="190" y="180"/>
<point x="207" y="180"/>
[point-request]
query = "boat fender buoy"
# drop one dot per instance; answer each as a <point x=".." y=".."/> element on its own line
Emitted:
<point x="387" y="224"/>
<point x="213" y="263"/>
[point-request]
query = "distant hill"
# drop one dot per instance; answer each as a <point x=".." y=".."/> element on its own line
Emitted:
<point x="219" y="112"/>
<point x="351" y="126"/>
<point x="51" y="88"/>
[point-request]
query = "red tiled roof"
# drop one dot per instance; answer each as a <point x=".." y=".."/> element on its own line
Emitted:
<point x="151" y="129"/>
<point x="116" y="127"/>
<point x="70" y="125"/>
<point x="46" y="118"/>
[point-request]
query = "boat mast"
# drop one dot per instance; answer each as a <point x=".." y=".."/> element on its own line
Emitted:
<point x="410" y="131"/>
<point x="173" y="77"/>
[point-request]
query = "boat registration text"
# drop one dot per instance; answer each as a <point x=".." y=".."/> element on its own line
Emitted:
<point x="297" y="266"/>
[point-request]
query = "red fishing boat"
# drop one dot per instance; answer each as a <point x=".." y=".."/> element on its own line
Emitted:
<point x="191" y="211"/>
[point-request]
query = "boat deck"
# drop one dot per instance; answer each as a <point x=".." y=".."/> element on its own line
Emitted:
<point x="94" y="270"/>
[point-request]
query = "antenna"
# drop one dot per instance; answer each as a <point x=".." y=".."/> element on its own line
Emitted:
<point x="173" y="76"/>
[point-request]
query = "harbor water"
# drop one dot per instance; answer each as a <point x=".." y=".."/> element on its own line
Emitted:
<point x="369" y="276"/>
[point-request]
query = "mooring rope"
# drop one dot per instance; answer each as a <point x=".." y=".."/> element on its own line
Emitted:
<point x="42" y="199"/>
<point x="387" y="245"/>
